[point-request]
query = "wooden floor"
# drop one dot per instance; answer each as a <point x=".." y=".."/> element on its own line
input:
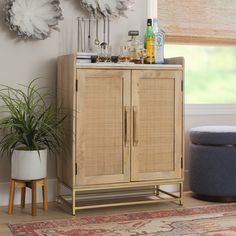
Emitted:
<point x="56" y="212"/>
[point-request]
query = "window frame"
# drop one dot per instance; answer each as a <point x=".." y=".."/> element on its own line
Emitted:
<point x="210" y="109"/>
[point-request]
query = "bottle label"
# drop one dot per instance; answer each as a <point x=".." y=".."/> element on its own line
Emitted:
<point x="159" y="56"/>
<point x="151" y="48"/>
<point x="159" y="40"/>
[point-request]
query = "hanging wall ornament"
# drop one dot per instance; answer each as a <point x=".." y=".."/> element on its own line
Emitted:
<point x="33" y="19"/>
<point x="107" y="8"/>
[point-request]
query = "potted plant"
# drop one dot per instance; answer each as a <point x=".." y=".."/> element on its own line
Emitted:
<point x="31" y="127"/>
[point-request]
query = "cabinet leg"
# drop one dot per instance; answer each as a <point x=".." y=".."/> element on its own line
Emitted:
<point x="11" y="197"/>
<point x="73" y="203"/>
<point x="157" y="190"/>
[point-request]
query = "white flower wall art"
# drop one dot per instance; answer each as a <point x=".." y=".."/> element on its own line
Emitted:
<point x="107" y="8"/>
<point x="33" y="19"/>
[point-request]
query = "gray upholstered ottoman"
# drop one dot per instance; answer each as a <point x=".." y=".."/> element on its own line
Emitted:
<point x="212" y="169"/>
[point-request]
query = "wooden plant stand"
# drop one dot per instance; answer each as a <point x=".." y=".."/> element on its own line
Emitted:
<point x="22" y="184"/>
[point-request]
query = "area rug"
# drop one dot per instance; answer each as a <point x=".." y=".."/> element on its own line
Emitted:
<point x="210" y="220"/>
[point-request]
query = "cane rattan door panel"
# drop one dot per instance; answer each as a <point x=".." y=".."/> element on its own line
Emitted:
<point x="157" y="125"/>
<point x="103" y="121"/>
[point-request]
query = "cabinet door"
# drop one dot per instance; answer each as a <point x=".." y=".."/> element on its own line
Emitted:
<point x="103" y="121"/>
<point x="157" y="125"/>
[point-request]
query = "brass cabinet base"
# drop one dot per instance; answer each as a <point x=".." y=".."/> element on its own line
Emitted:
<point x="149" y="194"/>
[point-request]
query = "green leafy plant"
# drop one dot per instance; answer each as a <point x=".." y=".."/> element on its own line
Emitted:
<point x="31" y="122"/>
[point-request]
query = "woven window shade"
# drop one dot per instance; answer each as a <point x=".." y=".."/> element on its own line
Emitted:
<point x="198" y="21"/>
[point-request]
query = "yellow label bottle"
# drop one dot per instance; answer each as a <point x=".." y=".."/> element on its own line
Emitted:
<point x="150" y="43"/>
<point x="150" y="50"/>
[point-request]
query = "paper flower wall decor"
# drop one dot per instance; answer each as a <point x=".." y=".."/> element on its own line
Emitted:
<point x="33" y="19"/>
<point x="107" y="8"/>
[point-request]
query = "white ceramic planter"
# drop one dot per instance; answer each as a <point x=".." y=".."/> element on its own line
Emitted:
<point x="28" y="165"/>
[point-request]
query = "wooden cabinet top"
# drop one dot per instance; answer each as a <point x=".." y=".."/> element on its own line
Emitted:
<point x="128" y="66"/>
<point x="176" y="63"/>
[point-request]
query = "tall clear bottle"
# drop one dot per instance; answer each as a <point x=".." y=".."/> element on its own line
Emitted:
<point x="150" y="43"/>
<point x="160" y="42"/>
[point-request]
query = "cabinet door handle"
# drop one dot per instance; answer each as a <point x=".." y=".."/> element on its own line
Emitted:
<point x="126" y="125"/>
<point x="135" y="133"/>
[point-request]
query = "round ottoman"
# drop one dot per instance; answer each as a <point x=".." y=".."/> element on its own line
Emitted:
<point x="212" y="171"/>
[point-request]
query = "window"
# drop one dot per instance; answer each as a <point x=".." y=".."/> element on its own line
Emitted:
<point x="210" y="73"/>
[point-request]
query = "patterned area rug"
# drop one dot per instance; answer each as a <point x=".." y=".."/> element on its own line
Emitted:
<point x="211" y="220"/>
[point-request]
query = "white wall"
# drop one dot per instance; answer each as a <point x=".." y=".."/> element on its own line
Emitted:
<point x="21" y="61"/>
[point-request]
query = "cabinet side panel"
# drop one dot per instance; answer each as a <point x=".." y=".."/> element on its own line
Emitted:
<point x="66" y="104"/>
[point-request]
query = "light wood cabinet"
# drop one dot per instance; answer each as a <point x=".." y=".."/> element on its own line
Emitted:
<point x="124" y="131"/>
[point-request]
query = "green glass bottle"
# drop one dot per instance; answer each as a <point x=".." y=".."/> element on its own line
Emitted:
<point x="150" y="43"/>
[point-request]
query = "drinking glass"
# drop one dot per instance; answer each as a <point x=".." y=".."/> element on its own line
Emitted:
<point x="104" y="53"/>
<point x="124" y="54"/>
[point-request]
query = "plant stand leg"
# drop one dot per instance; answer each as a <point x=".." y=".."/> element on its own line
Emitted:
<point x="11" y="197"/>
<point x="44" y="190"/>
<point x="22" y="204"/>
<point x="34" y="197"/>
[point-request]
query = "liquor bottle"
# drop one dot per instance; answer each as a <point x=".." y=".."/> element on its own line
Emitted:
<point x="160" y="41"/>
<point x="134" y="47"/>
<point x="149" y="43"/>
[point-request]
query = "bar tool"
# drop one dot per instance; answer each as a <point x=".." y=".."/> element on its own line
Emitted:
<point x="97" y="42"/>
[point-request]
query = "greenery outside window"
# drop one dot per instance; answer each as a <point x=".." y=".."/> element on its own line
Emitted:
<point x="210" y="73"/>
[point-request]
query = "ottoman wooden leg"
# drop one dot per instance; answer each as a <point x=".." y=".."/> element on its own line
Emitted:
<point x="11" y="197"/>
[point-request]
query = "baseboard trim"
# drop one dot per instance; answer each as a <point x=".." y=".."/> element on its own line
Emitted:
<point x="4" y="193"/>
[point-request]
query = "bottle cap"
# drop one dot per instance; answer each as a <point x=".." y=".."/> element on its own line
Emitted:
<point x="133" y="33"/>
<point x="149" y="22"/>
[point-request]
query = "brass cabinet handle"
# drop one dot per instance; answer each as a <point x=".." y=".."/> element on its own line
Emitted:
<point x="125" y="126"/>
<point x="135" y="133"/>
<point x="126" y="109"/>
